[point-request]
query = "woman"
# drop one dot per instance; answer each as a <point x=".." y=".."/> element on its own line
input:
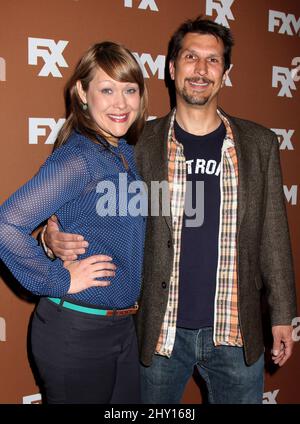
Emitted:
<point x="83" y="338"/>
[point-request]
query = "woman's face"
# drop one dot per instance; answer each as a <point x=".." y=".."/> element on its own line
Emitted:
<point x="114" y="105"/>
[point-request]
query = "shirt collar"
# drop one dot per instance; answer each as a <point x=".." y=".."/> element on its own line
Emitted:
<point x="228" y="141"/>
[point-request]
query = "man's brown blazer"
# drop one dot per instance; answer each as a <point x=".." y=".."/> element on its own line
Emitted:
<point x="263" y="244"/>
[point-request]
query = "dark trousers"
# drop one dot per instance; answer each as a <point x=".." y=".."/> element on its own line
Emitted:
<point x="84" y="358"/>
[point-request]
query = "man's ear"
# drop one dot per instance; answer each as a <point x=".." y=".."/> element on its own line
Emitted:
<point x="81" y="92"/>
<point x="172" y="69"/>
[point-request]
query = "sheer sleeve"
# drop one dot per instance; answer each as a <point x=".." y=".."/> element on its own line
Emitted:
<point x="61" y="179"/>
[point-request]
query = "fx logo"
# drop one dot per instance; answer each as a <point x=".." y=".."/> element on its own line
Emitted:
<point x="155" y="66"/>
<point x="223" y="9"/>
<point x="144" y="4"/>
<point x="291" y="194"/>
<point x="37" y="398"/>
<point x="50" y="52"/>
<point x="37" y="128"/>
<point x="296" y="329"/>
<point x="228" y="82"/>
<point x="2" y="69"/>
<point x="284" y="138"/>
<point x="288" y="23"/>
<point x="286" y="77"/>
<point x="270" y="397"/>
<point x="2" y="330"/>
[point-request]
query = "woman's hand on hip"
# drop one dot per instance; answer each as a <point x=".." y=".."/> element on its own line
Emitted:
<point x="84" y="273"/>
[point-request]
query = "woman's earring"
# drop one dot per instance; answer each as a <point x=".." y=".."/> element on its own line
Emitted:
<point x="84" y="106"/>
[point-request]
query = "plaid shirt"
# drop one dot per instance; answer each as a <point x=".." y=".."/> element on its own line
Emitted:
<point x="226" y="320"/>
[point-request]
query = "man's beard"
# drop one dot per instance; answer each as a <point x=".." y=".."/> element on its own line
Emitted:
<point x="195" y="99"/>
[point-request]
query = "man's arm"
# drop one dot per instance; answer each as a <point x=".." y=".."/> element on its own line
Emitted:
<point x="276" y="262"/>
<point x="65" y="246"/>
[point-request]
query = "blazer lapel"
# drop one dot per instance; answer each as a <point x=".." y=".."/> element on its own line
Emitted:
<point x="159" y="156"/>
<point x="243" y="157"/>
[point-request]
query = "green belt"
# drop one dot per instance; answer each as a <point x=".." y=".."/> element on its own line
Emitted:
<point x="93" y="311"/>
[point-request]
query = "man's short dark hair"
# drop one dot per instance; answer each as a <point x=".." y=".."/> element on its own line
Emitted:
<point x="202" y="26"/>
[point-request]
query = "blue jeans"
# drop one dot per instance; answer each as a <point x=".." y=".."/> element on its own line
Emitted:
<point x="227" y="377"/>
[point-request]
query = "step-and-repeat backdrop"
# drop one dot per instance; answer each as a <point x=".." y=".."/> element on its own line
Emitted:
<point x="40" y="42"/>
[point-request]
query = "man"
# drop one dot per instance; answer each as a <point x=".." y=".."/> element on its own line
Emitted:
<point x="200" y="301"/>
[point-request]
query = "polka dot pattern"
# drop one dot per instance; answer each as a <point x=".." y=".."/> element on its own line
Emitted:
<point x="67" y="185"/>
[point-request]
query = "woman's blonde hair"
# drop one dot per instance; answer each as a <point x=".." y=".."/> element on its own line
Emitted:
<point x="119" y="63"/>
